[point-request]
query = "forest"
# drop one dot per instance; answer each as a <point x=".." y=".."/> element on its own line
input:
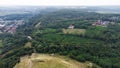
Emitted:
<point x="98" y="44"/>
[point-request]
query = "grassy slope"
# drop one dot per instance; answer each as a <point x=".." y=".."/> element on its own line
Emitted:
<point x="49" y="61"/>
<point x="74" y="31"/>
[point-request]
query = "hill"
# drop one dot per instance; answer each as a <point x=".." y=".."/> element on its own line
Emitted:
<point x="99" y="45"/>
<point x="50" y="61"/>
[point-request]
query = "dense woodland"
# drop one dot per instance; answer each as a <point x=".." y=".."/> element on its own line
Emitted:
<point x="98" y="44"/>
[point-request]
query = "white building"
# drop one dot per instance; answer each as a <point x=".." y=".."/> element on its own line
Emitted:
<point x="71" y="27"/>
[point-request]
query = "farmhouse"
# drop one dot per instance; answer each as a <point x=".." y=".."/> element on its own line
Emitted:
<point x="71" y="27"/>
<point x="29" y="37"/>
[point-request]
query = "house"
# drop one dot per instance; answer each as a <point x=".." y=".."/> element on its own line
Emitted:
<point x="29" y="37"/>
<point x="97" y="23"/>
<point x="102" y="23"/>
<point x="71" y="27"/>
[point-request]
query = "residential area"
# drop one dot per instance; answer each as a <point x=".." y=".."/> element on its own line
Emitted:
<point x="102" y="23"/>
<point x="9" y="26"/>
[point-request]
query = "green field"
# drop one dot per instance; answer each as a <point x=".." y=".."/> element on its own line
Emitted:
<point x="68" y="39"/>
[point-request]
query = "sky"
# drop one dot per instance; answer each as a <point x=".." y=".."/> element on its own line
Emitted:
<point x="59" y="2"/>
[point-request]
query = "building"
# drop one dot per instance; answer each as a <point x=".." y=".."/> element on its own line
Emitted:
<point x="102" y="23"/>
<point x="29" y="37"/>
<point x="71" y="27"/>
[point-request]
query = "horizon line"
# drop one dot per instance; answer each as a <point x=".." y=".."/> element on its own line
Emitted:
<point x="55" y="5"/>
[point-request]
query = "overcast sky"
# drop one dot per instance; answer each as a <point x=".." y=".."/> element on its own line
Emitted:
<point x="59" y="2"/>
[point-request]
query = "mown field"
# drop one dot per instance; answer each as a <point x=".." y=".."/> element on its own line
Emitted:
<point x="74" y="31"/>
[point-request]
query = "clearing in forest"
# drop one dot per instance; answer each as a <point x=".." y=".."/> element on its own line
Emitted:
<point x="74" y="31"/>
<point x="49" y="61"/>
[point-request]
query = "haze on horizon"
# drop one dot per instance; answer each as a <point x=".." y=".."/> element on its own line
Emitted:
<point x="59" y="2"/>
